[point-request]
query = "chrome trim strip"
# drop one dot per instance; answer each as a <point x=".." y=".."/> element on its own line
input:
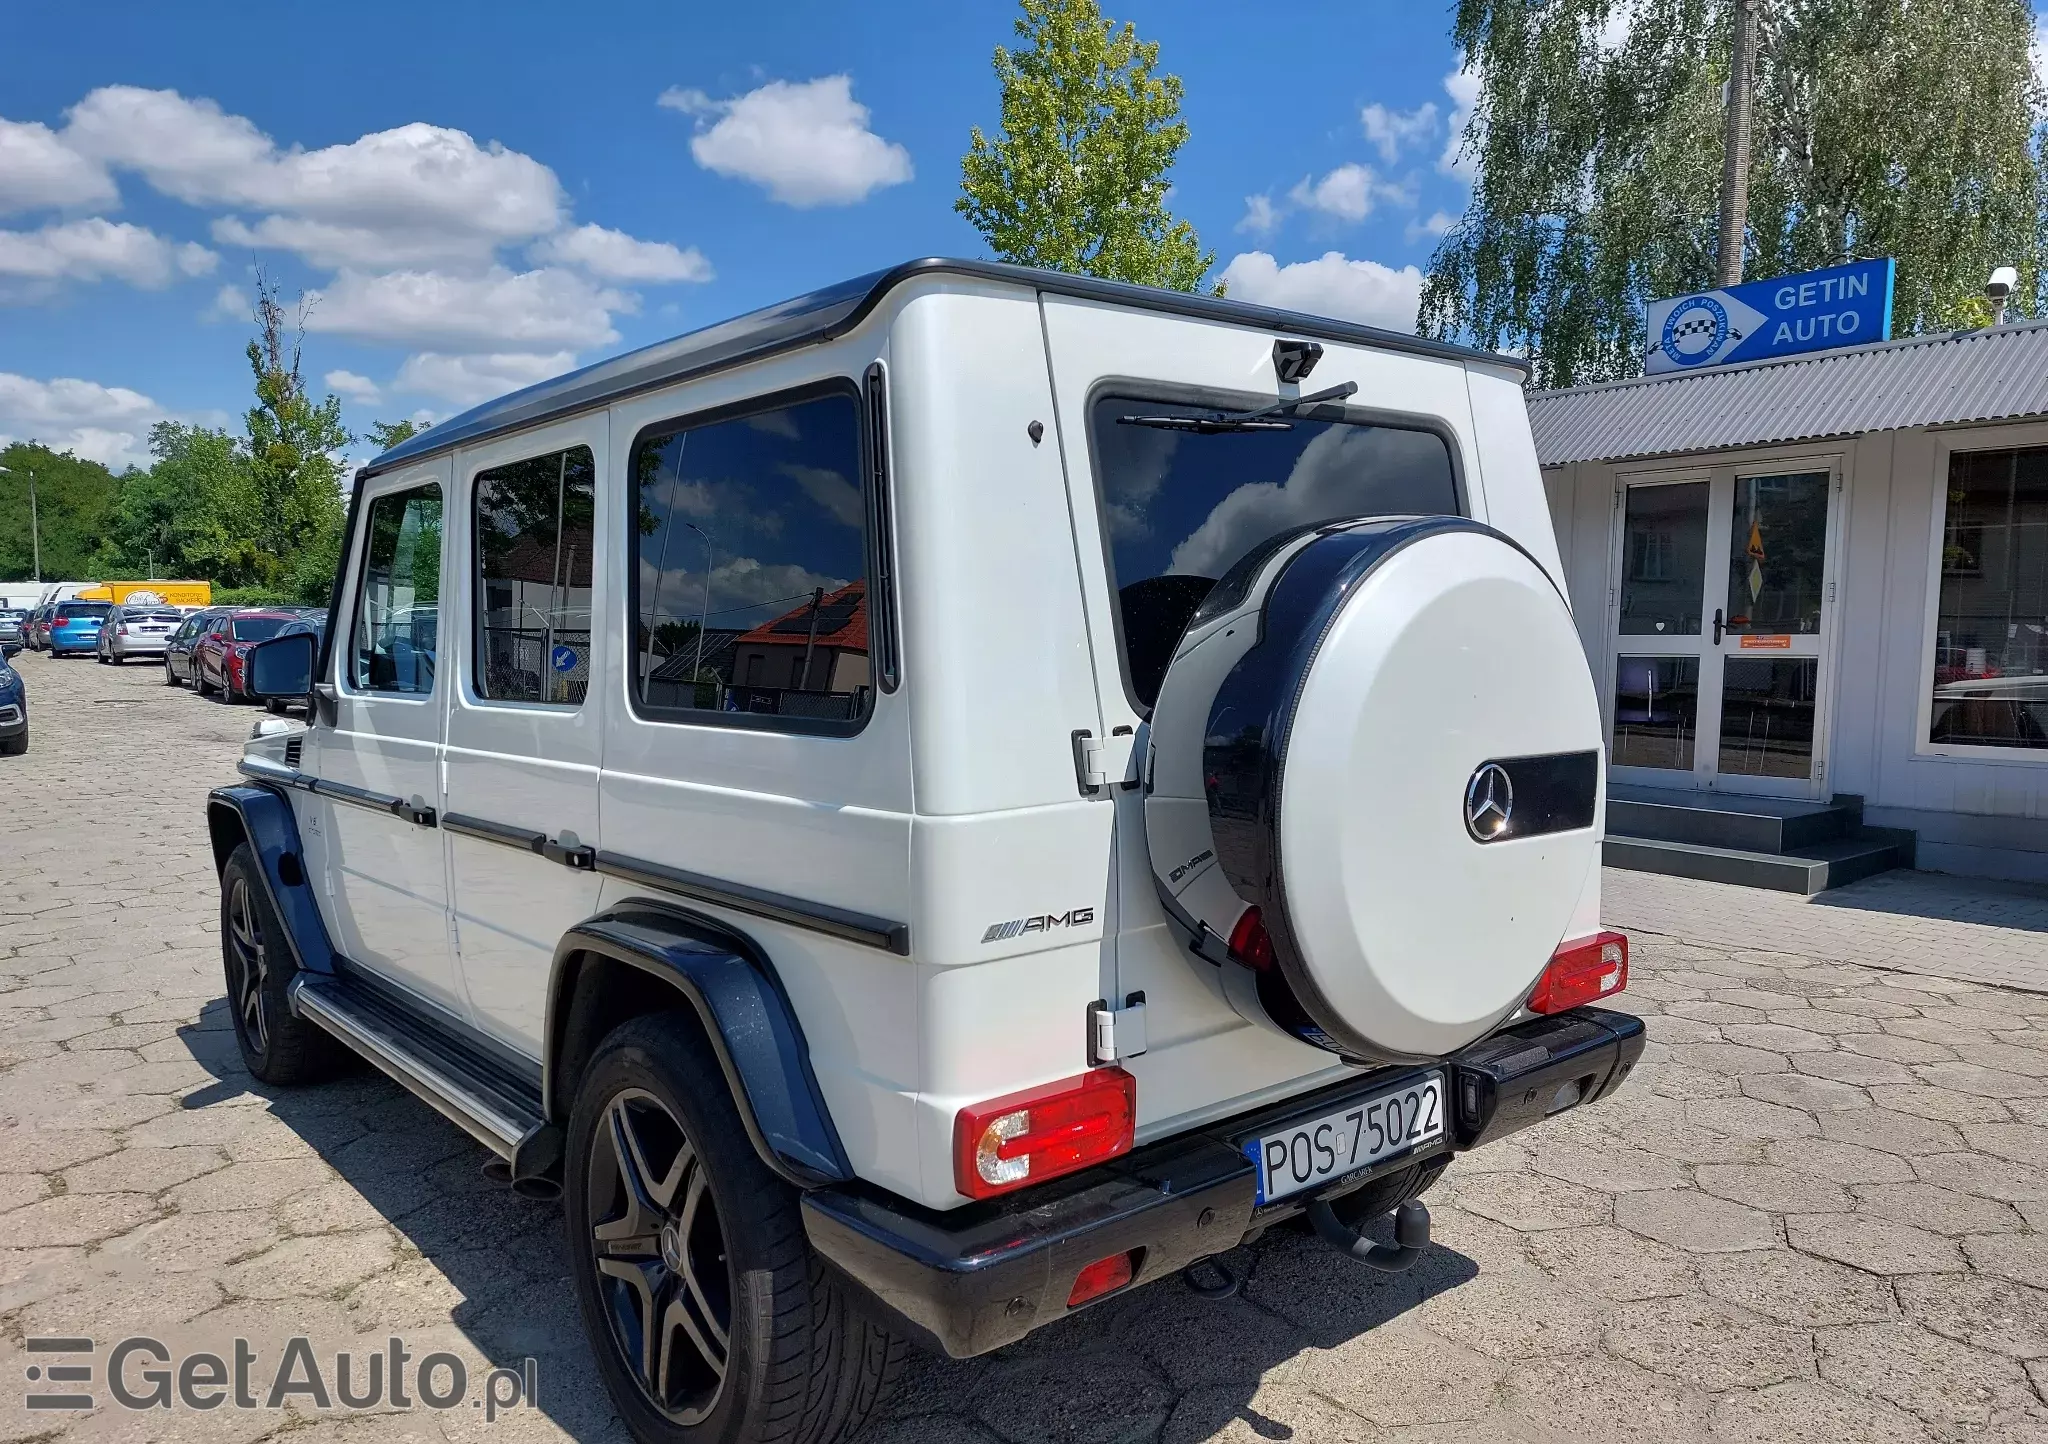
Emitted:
<point x="854" y="927"/>
<point x="525" y="839"/>
<point x="486" y="1124"/>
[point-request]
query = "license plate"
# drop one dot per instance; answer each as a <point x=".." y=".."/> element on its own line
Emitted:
<point x="1306" y="1152"/>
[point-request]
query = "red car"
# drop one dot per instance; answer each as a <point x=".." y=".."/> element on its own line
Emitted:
<point x="218" y="655"/>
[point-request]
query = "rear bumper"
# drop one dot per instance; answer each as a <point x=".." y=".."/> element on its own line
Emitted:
<point x="74" y="642"/>
<point x="139" y="646"/>
<point x="975" y="1278"/>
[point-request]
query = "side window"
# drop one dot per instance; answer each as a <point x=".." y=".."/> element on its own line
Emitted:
<point x="533" y="537"/>
<point x="749" y="592"/>
<point x="1181" y="504"/>
<point x="398" y="598"/>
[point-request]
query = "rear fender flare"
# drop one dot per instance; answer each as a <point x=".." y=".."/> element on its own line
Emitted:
<point x="752" y="1028"/>
<point x="262" y="817"/>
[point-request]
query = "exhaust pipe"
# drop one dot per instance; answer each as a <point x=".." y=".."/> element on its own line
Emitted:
<point x="1411" y="1236"/>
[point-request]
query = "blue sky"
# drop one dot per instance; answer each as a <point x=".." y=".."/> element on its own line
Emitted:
<point x="480" y="195"/>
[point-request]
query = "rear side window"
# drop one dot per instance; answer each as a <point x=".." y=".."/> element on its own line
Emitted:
<point x="1180" y="506"/>
<point x="396" y="631"/>
<point x="534" y="522"/>
<point x="749" y="595"/>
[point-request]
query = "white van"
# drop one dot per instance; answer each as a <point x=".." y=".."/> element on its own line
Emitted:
<point x="944" y="800"/>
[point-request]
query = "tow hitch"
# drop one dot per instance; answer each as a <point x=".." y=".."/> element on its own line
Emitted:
<point x="1411" y="1236"/>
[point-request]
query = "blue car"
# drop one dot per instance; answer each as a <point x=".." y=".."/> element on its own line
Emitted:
<point x="13" y="711"/>
<point x="75" y="628"/>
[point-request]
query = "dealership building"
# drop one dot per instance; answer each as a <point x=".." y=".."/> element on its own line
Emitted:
<point x="1814" y="593"/>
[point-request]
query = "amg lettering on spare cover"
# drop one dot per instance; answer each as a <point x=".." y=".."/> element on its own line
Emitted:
<point x="1044" y="922"/>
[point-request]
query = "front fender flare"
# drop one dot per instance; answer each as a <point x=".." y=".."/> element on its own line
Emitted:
<point x="745" y="1014"/>
<point x="261" y="816"/>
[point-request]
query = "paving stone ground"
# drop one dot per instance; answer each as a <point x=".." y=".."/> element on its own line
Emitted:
<point x="1818" y="1212"/>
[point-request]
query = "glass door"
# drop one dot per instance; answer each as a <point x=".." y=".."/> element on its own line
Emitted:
<point x="1718" y="635"/>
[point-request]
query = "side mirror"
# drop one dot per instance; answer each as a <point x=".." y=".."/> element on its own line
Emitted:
<point x="282" y="666"/>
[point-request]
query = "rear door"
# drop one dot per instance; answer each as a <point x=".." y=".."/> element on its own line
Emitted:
<point x="524" y="727"/>
<point x="1159" y="515"/>
<point x="382" y="760"/>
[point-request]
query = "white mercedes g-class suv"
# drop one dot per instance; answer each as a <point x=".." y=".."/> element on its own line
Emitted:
<point x="923" y="807"/>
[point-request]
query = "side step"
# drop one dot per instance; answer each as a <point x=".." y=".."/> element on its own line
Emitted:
<point x="1805" y="870"/>
<point x="485" y="1103"/>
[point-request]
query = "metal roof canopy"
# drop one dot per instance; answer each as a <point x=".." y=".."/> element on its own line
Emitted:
<point x="1995" y="373"/>
<point x="827" y="314"/>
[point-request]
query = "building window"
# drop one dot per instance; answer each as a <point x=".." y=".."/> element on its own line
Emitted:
<point x="750" y="591"/>
<point x="1991" y="624"/>
<point x="533" y="537"/>
<point x="398" y="598"/>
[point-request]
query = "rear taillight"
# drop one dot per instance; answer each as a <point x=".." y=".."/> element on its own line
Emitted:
<point x="1582" y="972"/>
<point x="1250" y="943"/>
<point x="1044" y="1132"/>
<point x="1104" y="1276"/>
<point x="122" y="630"/>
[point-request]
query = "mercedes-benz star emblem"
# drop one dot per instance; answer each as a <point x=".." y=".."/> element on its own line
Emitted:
<point x="1489" y="802"/>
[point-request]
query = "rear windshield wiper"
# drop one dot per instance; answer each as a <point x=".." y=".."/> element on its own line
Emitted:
<point x="1262" y="419"/>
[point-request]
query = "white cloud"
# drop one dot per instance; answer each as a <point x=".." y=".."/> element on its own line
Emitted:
<point x="835" y="495"/>
<point x="394" y="197"/>
<point x="351" y="387"/>
<point x="1462" y="85"/>
<point x="1330" y="286"/>
<point x="1261" y="216"/>
<point x="39" y="172"/>
<point x="468" y="380"/>
<point x="230" y="303"/>
<point x="1348" y="192"/>
<point x="1438" y="224"/>
<point x="806" y="143"/>
<point x="93" y="249"/>
<point x="1614" y="30"/>
<point x="615" y="256"/>
<point x="498" y="310"/>
<point x="107" y="424"/>
<point x="1391" y="130"/>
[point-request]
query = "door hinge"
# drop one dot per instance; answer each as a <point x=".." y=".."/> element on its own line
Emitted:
<point x="1115" y="1033"/>
<point x="1831" y="592"/>
<point x="1088" y="770"/>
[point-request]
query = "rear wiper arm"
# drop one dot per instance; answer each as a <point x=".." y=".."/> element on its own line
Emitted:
<point x="1261" y="419"/>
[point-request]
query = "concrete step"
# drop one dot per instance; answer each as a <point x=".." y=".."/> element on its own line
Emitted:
<point x="1804" y="870"/>
<point x="1746" y="824"/>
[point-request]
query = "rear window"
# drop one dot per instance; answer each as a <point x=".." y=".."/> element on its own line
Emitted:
<point x="255" y="629"/>
<point x="69" y="610"/>
<point x="1179" y="507"/>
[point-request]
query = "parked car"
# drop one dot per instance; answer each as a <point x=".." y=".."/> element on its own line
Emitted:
<point x="74" y="627"/>
<point x="217" y="655"/>
<point x="790" y="961"/>
<point x="13" y="711"/>
<point x="36" y="631"/>
<point x="178" y="646"/>
<point x="13" y="625"/>
<point x="137" y="632"/>
<point x="313" y="623"/>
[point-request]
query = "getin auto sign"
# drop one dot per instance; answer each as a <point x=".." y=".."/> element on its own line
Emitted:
<point x="1841" y="306"/>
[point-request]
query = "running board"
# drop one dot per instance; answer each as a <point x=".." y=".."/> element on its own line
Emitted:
<point x="485" y="1108"/>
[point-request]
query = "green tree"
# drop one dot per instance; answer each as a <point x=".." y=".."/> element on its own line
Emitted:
<point x="75" y="501"/>
<point x="1901" y="128"/>
<point x="386" y="434"/>
<point x="292" y="445"/>
<point x="1077" y="180"/>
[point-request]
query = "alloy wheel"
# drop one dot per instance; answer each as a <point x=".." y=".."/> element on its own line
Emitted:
<point x="248" y="965"/>
<point x="662" y="1267"/>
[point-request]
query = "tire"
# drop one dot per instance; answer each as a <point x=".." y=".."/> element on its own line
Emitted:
<point x="14" y="746"/>
<point x="801" y="1363"/>
<point x="277" y="1047"/>
<point x="274" y="706"/>
<point x="170" y="677"/>
<point x="199" y="681"/>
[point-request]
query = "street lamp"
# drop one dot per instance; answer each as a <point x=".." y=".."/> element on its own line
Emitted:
<point x="35" y="525"/>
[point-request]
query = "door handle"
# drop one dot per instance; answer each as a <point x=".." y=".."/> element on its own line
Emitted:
<point x="1717" y="626"/>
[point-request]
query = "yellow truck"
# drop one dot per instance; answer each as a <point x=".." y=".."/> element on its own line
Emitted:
<point x="174" y="594"/>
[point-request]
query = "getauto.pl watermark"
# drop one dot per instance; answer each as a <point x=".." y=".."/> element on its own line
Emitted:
<point x="143" y="1373"/>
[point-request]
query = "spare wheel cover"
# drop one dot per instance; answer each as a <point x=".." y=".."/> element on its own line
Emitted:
<point x="1394" y="661"/>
